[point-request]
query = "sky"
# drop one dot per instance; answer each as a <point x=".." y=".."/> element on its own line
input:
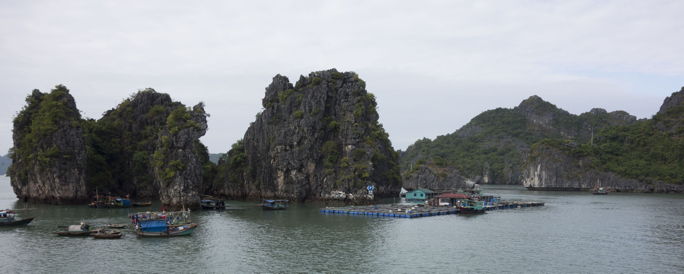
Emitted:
<point x="433" y="65"/>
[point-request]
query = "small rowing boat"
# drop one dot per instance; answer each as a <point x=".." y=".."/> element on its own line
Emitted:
<point x="107" y="234"/>
<point x="142" y="204"/>
<point x="81" y="230"/>
<point x="275" y="204"/>
<point x="8" y="218"/>
<point x="119" y="226"/>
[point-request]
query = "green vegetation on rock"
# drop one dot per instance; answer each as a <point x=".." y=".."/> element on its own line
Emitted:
<point x="49" y="153"/>
<point x="649" y="150"/>
<point x="493" y="146"/>
<point x="319" y="135"/>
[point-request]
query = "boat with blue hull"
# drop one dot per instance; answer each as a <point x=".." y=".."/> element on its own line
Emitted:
<point x="275" y="204"/>
<point x="163" y="224"/>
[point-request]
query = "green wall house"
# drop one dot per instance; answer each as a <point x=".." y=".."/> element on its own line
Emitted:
<point x="419" y="195"/>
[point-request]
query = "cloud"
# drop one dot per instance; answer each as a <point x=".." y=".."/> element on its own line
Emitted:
<point x="432" y="64"/>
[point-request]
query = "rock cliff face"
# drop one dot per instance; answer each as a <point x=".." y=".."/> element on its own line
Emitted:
<point x="434" y="178"/>
<point x="122" y="142"/>
<point x="646" y="156"/>
<point x="552" y="169"/>
<point x="178" y="159"/>
<point x="492" y="147"/>
<point x="317" y="136"/>
<point x="146" y="147"/>
<point x="674" y="100"/>
<point x="49" y="154"/>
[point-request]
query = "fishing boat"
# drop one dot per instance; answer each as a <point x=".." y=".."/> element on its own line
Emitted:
<point x="471" y="207"/>
<point x="107" y="234"/>
<point x="275" y="204"/>
<point x="163" y="224"/>
<point x="80" y="230"/>
<point x="212" y="204"/>
<point x="8" y="218"/>
<point x="600" y="191"/>
<point x="142" y="204"/>
<point x="110" y="202"/>
<point x="119" y="226"/>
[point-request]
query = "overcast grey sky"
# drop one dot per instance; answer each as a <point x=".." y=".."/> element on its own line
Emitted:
<point x="433" y="65"/>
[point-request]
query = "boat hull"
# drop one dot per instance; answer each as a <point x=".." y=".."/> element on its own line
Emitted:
<point x="213" y="207"/>
<point x="104" y="235"/>
<point x="470" y="211"/>
<point x="182" y="230"/>
<point x="142" y="204"/>
<point x="17" y="223"/>
<point x="74" y="233"/>
<point x="273" y="208"/>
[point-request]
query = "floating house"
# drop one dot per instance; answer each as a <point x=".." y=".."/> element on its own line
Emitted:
<point x="449" y="199"/>
<point x="419" y="195"/>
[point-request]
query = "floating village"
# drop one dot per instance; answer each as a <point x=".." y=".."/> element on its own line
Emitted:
<point x="424" y="202"/>
<point x="415" y="203"/>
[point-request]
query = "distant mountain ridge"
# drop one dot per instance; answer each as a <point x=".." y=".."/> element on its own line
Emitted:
<point x="215" y="157"/>
<point x="5" y="162"/>
<point x="493" y="146"/>
<point x="647" y="156"/>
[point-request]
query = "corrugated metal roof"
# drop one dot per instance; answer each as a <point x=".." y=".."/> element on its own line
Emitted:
<point x="425" y="190"/>
<point x="453" y="196"/>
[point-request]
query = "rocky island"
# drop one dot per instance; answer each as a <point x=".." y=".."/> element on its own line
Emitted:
<point x="314" y="138"/>
<point x="320" y="138"/>
<point x="49" y="153"/>
<point x="146" y="147"/>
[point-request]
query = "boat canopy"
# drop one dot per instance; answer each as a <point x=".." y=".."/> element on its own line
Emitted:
<point x="154" y="226"/>
<point x="275" y="201"/>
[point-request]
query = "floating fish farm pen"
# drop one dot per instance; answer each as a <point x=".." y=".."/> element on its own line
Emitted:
<point x="415" y="211"/>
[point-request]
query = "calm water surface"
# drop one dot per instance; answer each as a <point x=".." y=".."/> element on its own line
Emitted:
<point x="575" y="232"/>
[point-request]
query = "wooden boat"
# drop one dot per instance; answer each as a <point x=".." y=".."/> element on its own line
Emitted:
<point x="8" y="218"/>
<point x="142" y="204"/>
<point x="110" y="202"/>
<point x="275" y="204"/>
<point x="600" y="191"/>
<point x="468" y="207"/>
<point x="107" y="234"/>
<point x="119" y="226"/>
<point x="81" y="230"/>
<point x="74" y="233"/>
<point x="212" y="204"/>
<point x="163" y="224"/>
<point x="171" y="231"/>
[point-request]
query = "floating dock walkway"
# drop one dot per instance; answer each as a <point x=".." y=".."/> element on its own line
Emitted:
<point x="415" y="211"/>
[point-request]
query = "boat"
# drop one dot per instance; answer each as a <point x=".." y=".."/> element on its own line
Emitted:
<point x="471" y="207"/>
<point x="212" y="204"/>
<point x="80" y="230"/>
<point x="119" y="226"/>
<point x="275" y="204"/>
<point x="110" y="202"/>
<point x="8" y="218"/>
<point x="163" y="224"/>
<point x="142" y="204"/>
<point x="600" y="191"/>
<point x="107" y="234"/>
